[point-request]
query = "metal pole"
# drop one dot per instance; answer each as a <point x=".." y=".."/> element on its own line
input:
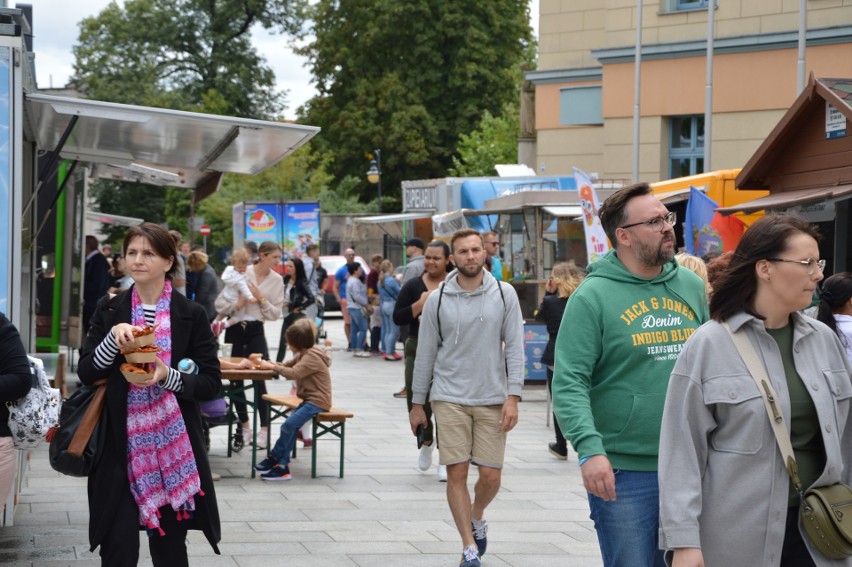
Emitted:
<point x="379" y="166"/>
<point x="637" y="82"/>
<point x="803" y="28"/>
<point x="708" y="91"/>
<point x="205" y="245"/>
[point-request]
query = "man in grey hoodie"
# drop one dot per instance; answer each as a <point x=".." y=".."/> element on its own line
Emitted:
<point x="470" y="361"/>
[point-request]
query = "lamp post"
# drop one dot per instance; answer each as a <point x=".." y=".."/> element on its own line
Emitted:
<point x="374" y="174"/>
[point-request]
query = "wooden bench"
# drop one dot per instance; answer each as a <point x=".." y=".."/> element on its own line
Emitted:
<point x="282" y="406"/>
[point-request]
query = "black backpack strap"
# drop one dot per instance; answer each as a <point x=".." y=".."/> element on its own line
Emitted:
<point x="438" y="312"/>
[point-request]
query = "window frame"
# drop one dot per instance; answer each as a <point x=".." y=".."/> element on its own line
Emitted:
<point x="693" y="153"/>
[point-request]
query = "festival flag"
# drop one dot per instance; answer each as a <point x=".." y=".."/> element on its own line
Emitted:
<point x="705" y="230"/>
<point x="597" y="243"/>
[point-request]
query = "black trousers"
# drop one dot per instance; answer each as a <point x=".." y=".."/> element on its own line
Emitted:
<point x="282" y="342"/>
<point x="120" y="548"/>
<point x="248" y="338"/>
<point x="794" y="552"/>
<point x="560" y="440"/>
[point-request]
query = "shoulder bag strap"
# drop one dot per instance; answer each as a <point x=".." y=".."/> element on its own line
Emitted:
<point x="770" y="401"/>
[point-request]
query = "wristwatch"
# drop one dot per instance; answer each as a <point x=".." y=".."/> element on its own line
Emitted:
<point x="262" y="300"/>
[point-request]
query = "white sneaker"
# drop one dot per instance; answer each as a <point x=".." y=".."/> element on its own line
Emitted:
<point x="247" y="440"/>
<point x="261" y="439"/>
<point x="442" y="473"/>
<point x="425" y="459"/>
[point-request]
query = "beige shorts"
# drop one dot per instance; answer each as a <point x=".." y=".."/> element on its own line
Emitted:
<point x="470" y="433"/>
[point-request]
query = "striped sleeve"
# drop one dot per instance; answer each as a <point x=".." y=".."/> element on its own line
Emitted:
<point x="105" y="352"/>
<point x="172" y="382"/>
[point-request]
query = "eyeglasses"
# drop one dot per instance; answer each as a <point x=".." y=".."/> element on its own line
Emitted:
<point x="656" y="224"/>
<point x="810" y="263"/>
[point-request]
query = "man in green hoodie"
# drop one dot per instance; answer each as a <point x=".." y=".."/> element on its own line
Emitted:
<point x="620" y="336"/>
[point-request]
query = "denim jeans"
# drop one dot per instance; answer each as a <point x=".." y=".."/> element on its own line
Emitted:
<point x="298" y="417"/>
<point x="358" y="329"/>
<point x="627" y="526"/>
<point x="390" y="331"/>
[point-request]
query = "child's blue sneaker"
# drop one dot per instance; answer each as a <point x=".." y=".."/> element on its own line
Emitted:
<point x="265" y="465"/>
<point x="277" y="473"/>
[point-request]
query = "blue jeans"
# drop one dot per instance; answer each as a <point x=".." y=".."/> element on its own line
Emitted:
<point x="627" y="526"/>
<point x="390" y="331"/>
<point x="358" y="329"/>
<point x="298" y="417"/>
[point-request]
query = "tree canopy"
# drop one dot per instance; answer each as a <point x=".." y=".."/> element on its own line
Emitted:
<point x="186" y="54"/>
<point x="494" y="142"/>
<point x="410" y="78"/>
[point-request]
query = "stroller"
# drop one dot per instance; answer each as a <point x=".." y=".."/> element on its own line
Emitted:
<point x="217" y="412"/>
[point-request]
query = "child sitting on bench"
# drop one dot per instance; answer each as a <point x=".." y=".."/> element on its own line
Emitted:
<point x="309" y="368"/>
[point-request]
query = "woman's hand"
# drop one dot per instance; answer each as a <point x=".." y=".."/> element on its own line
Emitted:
<point x="255" y="291"/>
<point x="161" y="371"/>
<point x="124" y="339"/>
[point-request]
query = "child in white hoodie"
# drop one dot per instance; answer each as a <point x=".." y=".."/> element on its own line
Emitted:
<point x="236" y="285"/>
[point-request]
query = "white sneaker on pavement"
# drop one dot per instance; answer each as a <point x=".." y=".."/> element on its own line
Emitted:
<point x="425" y="459"/>
<point x="261" y="439"/>
<point x="442" y="473"/>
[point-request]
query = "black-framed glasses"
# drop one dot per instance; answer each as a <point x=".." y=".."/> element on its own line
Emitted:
<point x="656" y="224"/>
<point x="810" y="263"/>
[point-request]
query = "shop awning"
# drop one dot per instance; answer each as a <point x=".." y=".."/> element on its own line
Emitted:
<point x="378" y="219"/>
<point x="790" y="199"/>
<point x="159" y="146"/>
<point x="113" y="219"/>
<point x="565" y="211"/>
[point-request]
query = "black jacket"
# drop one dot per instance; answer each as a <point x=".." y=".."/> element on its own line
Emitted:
<point x="206" y="290"/>
<point x="191" y="338"/>
<point x="550" y="312"/>
<point x="15" y="377"/>
<point x="409" y="294"/>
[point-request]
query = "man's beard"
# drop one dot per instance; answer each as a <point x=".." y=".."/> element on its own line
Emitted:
<point x="651" y="256"/>
<point x="470" y="271"/>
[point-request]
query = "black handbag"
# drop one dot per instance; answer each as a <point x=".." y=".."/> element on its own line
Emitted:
<point x="77" y="441"/>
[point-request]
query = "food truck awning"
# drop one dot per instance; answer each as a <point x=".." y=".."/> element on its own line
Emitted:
<point x="565" y="211"/>
<point x="378" y="219"/>
<point x="113" y="219"/>
<point x="789" y="199"/>
<point x="156" y="145"/>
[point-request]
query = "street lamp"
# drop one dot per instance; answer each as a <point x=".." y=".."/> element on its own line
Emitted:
<point x="374" y="174"/>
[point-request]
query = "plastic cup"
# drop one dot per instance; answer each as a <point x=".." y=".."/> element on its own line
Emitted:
<point x="227" y="349"/>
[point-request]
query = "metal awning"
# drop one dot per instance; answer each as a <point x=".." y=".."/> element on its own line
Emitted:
<point x="672" y="197"/>
<point x="156" y="145"/>
<point x="564" y="211"/>
<point x="113" y="219"/>
<point x="378" y="219"/>
<point x="789" y="199"/>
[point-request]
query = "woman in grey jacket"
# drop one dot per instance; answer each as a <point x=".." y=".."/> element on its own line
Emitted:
<point x="725" y="496"/>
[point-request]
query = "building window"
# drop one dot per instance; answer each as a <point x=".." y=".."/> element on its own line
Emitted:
<point x="686" y="145"/>
<point x="690" y="4"/>
<point x="580" y="106"/>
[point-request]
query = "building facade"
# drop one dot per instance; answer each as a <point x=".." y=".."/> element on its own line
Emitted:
<point x="584" y="84"/>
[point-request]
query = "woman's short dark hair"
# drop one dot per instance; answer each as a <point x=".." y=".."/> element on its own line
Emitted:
<point x="613" y="212"/>
<point x="767" y="238"/>
<point x="353" y="267"/>
<point x="160" y="240"/>
<point x="835" y="292"/>
<point x="301" y="334"/>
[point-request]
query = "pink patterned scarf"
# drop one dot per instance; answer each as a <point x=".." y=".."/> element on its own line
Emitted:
<point x="161" y="466"/>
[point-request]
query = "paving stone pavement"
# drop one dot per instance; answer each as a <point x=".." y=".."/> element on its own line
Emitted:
<point x="385" y="511"/>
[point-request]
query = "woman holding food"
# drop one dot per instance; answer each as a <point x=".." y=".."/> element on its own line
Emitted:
<point x="245" y="330"/>
<point x="152" y="473"/>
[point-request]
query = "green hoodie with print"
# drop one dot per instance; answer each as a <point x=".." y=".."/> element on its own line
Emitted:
<point x="618" y="342"/>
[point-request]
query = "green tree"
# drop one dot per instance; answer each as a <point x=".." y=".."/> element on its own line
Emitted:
<point x="124" y="199"/>
<point x="410" y="78"/>
<point x="186" y="54"/>
<point x="494" y="142"/>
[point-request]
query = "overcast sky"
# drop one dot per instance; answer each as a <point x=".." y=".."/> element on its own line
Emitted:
<point x="55" y="26"/>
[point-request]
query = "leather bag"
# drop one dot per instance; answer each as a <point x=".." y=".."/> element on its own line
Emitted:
<point x="825" y="511"/>
<point x="77" y="441"/>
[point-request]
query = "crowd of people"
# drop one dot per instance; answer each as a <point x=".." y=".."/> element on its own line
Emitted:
<point x="675" y="449"/>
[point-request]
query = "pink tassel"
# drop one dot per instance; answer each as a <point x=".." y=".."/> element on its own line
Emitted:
<point x="186" y="515"/>
<point x="158" y="514"/>
<point x="200" y="492"/>
<point x="162" y="533"/>
<point x="179" y="516"/>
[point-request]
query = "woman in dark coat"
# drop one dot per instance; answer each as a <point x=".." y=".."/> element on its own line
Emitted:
<point x="298" y="298"/>
<point x="15" y="380"/>
<point x="206" y="282"/>
<point x="178" y="493"/>
<point x="564" y="279"/>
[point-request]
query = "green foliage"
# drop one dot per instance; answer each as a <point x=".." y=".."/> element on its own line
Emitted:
<point x="409" y="78"/>
<point x="186" y="54"/>
<point x="494" y="142"/>
<point x="128" y="199"/>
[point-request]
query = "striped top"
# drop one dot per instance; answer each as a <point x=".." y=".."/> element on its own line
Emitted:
<point x="106" y="352"/>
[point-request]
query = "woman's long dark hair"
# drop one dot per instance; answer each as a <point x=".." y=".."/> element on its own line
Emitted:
<point x="767" y="238"/>
<point x="301" y="276"/>
<point x="835" y="292"/>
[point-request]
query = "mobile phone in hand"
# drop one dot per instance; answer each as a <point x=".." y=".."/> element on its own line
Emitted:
<point x="419" y="433"/>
